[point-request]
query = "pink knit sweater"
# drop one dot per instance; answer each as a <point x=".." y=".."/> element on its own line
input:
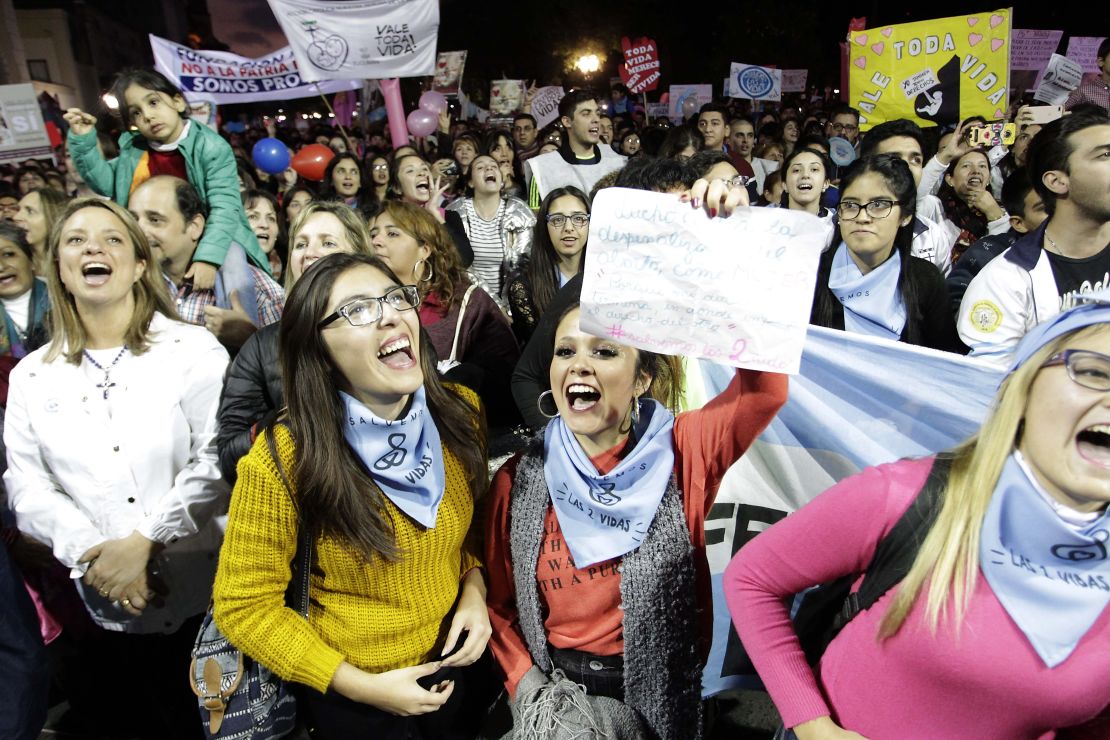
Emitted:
<point x="987" y="682"/>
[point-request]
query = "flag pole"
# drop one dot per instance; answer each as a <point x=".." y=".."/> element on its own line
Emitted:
<point x="342" y="131"/>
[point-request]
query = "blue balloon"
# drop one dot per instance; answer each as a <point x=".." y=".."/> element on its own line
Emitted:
<point x="271" y="156"/>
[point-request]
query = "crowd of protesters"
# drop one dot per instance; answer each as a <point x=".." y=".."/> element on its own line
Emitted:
<point x="202" y="364"/>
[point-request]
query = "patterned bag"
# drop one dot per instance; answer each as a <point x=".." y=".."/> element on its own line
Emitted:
<point x="239" y="698"/>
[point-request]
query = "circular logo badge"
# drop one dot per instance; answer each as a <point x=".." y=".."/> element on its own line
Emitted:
<point x="755" y="82"/>
<point x="986" y="316"/>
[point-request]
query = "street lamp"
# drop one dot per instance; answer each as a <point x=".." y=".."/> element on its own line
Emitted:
<point x="587" y="64"/>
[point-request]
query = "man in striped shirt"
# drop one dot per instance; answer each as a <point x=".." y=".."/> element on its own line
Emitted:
<point x="171" y="214"/>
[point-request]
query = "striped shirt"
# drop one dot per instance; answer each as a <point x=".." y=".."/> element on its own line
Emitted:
<point x="486" y="241"/>
<point x="190" y="304"/>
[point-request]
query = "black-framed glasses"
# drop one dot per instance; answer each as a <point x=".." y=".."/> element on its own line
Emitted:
<point x="558" y="220"/>
<point x="363" y="311"/>
<point x="1086" y="368"/>
<point x="849" y="127"/>
<point x="878" y="208"/>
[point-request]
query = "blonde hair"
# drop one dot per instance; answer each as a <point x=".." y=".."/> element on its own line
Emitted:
<point x="948" y="561"/>
<point x="67" y="331"/>
<point x="443" y="256"/>
<point x="353" y="224"/>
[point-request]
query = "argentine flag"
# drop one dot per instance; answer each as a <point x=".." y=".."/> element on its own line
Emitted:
<point x="857" y="401"/>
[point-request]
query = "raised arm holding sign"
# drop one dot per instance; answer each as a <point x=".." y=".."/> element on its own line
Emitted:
<point x="663" y="277"/>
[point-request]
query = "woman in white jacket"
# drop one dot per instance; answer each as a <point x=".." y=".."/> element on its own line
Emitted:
<point x="110" y="436"/>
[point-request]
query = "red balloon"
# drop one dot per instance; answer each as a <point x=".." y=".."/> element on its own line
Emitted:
<point x="311" y="161"/>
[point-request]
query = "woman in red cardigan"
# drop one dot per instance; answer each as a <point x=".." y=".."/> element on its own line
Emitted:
<point x="595" y="542"/>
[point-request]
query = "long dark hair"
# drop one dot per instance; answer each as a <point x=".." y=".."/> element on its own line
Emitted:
<point x="147" y="79"/>
<point x="335" y="495"/>
<point x="491" y="140"/>
<point x="826" y="165"/>
<point x="367" y="201"/>
<point x="544" y="262"/>
<point x="899" y="179"/>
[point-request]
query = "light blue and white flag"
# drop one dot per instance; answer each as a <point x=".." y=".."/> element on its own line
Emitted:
<point x="857" y="401"/>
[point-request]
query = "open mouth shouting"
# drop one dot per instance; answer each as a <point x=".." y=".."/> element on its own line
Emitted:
<point x="1093" y="445"/>
<point x="96" y="273"/>
<point x="582" y="397"/>
<point x="396" y="353"/>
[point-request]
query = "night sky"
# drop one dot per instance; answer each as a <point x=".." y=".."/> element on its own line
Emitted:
<point x="532" y="40"/>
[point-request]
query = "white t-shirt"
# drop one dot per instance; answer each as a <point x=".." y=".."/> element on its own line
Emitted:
<point x="19" y="310"/>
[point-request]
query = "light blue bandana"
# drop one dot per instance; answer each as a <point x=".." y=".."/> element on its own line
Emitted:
<point x="872" y="302"/>
<point x="1053" y="579"/>
<point x="403" y="457"/>
<point x="607" y="516"/>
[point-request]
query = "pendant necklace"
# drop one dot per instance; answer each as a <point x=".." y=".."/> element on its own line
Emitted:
<point x="107" y="383"/>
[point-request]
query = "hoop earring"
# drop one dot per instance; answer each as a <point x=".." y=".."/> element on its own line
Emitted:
<point x="429" y="276"/>
<point x="539" y="405"/>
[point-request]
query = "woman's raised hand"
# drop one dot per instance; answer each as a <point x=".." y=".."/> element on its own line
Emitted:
<point x="719" y="196"/>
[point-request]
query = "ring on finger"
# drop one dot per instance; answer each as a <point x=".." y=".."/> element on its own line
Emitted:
<point x="125" y="602"/>
<point x="104" y="592"/>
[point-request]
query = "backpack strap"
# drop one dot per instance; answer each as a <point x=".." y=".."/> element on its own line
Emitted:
<point x="896" y="552"/>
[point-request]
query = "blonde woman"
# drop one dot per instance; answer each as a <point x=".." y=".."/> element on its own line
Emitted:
<point x="1000" y="629"/>
<point x="252" y="390"/>
<point x="110" y="435"/>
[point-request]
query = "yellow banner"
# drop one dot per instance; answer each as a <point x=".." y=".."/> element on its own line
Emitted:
<point x="931" y="72"/>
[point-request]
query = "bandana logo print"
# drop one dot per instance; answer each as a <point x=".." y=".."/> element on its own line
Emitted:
<point x="605" y="495"/>
<point x="1082" y="553"/>
<point x="396" y="455"/>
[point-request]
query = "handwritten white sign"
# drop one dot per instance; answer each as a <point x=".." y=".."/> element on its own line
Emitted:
<point x="664" y="277"/>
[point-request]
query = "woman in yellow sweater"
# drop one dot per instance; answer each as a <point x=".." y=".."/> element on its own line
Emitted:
<point x="382" y="464"/>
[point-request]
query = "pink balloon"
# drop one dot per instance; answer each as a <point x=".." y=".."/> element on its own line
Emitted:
<point x="434" y="101"/>
<point x="422" y="122"/>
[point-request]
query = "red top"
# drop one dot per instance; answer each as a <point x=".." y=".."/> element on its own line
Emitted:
<point x="167" y="163"/>
<point x="582" y="606"/>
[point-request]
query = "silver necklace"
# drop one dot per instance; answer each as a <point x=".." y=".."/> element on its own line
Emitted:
<point x="107" y="384"/>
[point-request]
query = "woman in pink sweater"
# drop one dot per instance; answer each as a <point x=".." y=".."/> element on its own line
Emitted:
<point x="1000" y="629"/>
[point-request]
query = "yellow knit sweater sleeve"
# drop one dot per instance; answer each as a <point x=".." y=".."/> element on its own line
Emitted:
<point x="254" y="571"/>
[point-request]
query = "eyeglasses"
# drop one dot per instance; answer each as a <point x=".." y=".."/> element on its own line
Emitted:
<point x="378" y="167"/>
<point x="1088" y="369"/>
<point x="878" y="208"/>
<point x="838" y="127"/>
<point x="363" y="311"/>
<point x="558" y="220"/>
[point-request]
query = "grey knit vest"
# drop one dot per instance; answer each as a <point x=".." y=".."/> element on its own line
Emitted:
<point x="662" y="668"/>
